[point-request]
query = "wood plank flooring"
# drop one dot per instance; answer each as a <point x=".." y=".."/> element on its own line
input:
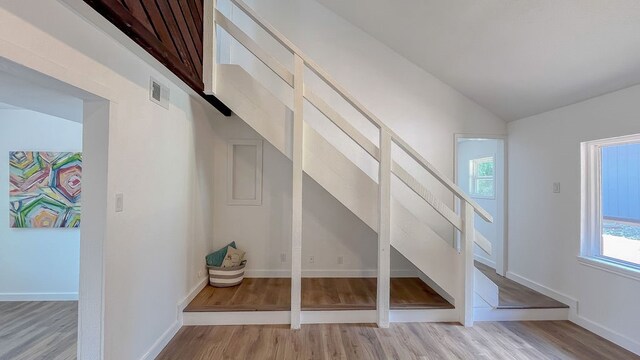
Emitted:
<point x="38" y="330"/>
<point x="360" y="294"/>
<point x="489" y="341"/>
<point x="515" y="296"/>
<point x="317" y="294"/>
<point x="253" y="294"/>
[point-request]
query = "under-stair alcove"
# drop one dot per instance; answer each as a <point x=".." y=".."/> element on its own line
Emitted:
<point x="318" y="294"/>
<point x="330" y="200"/>
<point x="339" y="250"/>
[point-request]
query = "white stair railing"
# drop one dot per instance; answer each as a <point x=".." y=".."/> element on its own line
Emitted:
<point x="381" y="152"/>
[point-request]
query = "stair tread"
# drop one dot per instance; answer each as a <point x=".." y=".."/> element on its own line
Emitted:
<point x="512" y="295"/>
<point x="318" y="294"/>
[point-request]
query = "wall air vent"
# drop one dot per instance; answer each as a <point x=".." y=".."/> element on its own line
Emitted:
<point x="159" y="93"/>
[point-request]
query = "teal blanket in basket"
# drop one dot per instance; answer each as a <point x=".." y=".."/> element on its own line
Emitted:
<point x="217" y="257"/>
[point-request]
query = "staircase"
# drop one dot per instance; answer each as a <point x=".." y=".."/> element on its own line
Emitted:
<point x="399" y="219"/>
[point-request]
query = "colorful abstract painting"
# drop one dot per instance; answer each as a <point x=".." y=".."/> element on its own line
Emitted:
<point x="44" y="189"/>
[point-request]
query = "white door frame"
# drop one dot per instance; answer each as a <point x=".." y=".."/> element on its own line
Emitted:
<point x="98" y="110"/>
<point x="501" y="248"/>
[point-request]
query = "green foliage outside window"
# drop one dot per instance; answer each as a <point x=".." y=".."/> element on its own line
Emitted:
<point x="482" y="178"/>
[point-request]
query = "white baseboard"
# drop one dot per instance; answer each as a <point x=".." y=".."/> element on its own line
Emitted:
<point x="489" y="314"/>
<point x="164" y="339"/>
<point x="236" y="318"/>
<point x="611" y="335"/>
<point x="590" y="325"/>
<point x="339" y="317"/>
<point x="255" y="273"/>
<point x="192" y="294"/>
<point x="556" y="295"/>
<point x="429" y="315"/>
<point x="39" y="296"/>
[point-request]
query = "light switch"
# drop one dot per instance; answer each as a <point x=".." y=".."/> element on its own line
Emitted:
<point x="119" y="202"/>
<point x="556" y="187"/>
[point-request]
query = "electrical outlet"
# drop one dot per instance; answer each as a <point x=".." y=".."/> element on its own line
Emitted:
<point x="283" y="257"/>
<point x="556" y="187"/>
<point x="200" y="274"/>
<point x="340" y="260"/>
<point x="312" y="259"/>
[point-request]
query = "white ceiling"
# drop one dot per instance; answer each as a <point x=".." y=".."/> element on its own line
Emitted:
<point x="514" y="57"/>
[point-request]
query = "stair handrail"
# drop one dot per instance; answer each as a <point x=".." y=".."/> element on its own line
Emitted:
<point x="364" y="142"/>
<point x="322" y="74"/>
<point x="464" y="222"/>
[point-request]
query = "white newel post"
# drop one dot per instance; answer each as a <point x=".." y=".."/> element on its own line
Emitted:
<point x="468" y="241"/>
<point x="296" y="197"/>
<point x="209" y="47"/>
<point x="384" y="229"/>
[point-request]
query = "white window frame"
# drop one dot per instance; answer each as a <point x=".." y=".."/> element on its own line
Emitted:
<point x="257" y="201"/>
<point x="591" y="209"/>
<point x="473" y="178"/>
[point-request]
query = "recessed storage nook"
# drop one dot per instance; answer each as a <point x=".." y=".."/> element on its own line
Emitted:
<point x="338" y="255"/>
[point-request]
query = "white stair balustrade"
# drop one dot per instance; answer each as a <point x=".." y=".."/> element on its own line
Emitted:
<point x="367" y="195"/>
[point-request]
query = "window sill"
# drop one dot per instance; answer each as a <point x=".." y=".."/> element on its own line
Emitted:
<point x="611" y="267"/>
<point x="479" y="197"/>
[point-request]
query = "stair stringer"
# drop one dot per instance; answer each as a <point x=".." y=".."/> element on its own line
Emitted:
<point x="485" y="288"/>
<point x="343" y="179"/>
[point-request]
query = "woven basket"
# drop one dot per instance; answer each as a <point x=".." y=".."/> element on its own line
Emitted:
<point x="226" y="276"/>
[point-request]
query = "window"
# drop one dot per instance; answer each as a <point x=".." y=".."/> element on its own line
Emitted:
<point x="482" y="183"/>
<point x="611" y="201"/>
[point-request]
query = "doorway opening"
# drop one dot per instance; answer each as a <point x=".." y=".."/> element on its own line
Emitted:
<point x="480" y="172"/>
<point x="54" y="138"/>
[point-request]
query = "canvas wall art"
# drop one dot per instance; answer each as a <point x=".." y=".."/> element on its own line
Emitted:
<point x="44" y="189"/>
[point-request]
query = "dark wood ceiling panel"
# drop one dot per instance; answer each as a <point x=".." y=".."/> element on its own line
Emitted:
<point x="198" y="4"/>
<point x="174" y="31"/>
<point x="196" y="35"/>
<point x="186" y="37"/>
<point x="170" y="30"/>
<point x="156" y="18"/>
<point x="138" y="12"/>
<point x="195" y="15"/>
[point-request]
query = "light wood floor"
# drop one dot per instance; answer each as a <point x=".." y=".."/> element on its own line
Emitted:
<point x="317" y="294"/>
<point x="38" y="330"/>
<point x="515" y="296"/>
<point x="489" y="341"/>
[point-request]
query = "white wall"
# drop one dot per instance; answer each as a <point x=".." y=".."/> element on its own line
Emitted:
<point x="161" y="160"/>
<point x="329" y="229"/>
<point x="544" y="228"/>
<point x="36" y="264"/>
<point x="469" y="149"/>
